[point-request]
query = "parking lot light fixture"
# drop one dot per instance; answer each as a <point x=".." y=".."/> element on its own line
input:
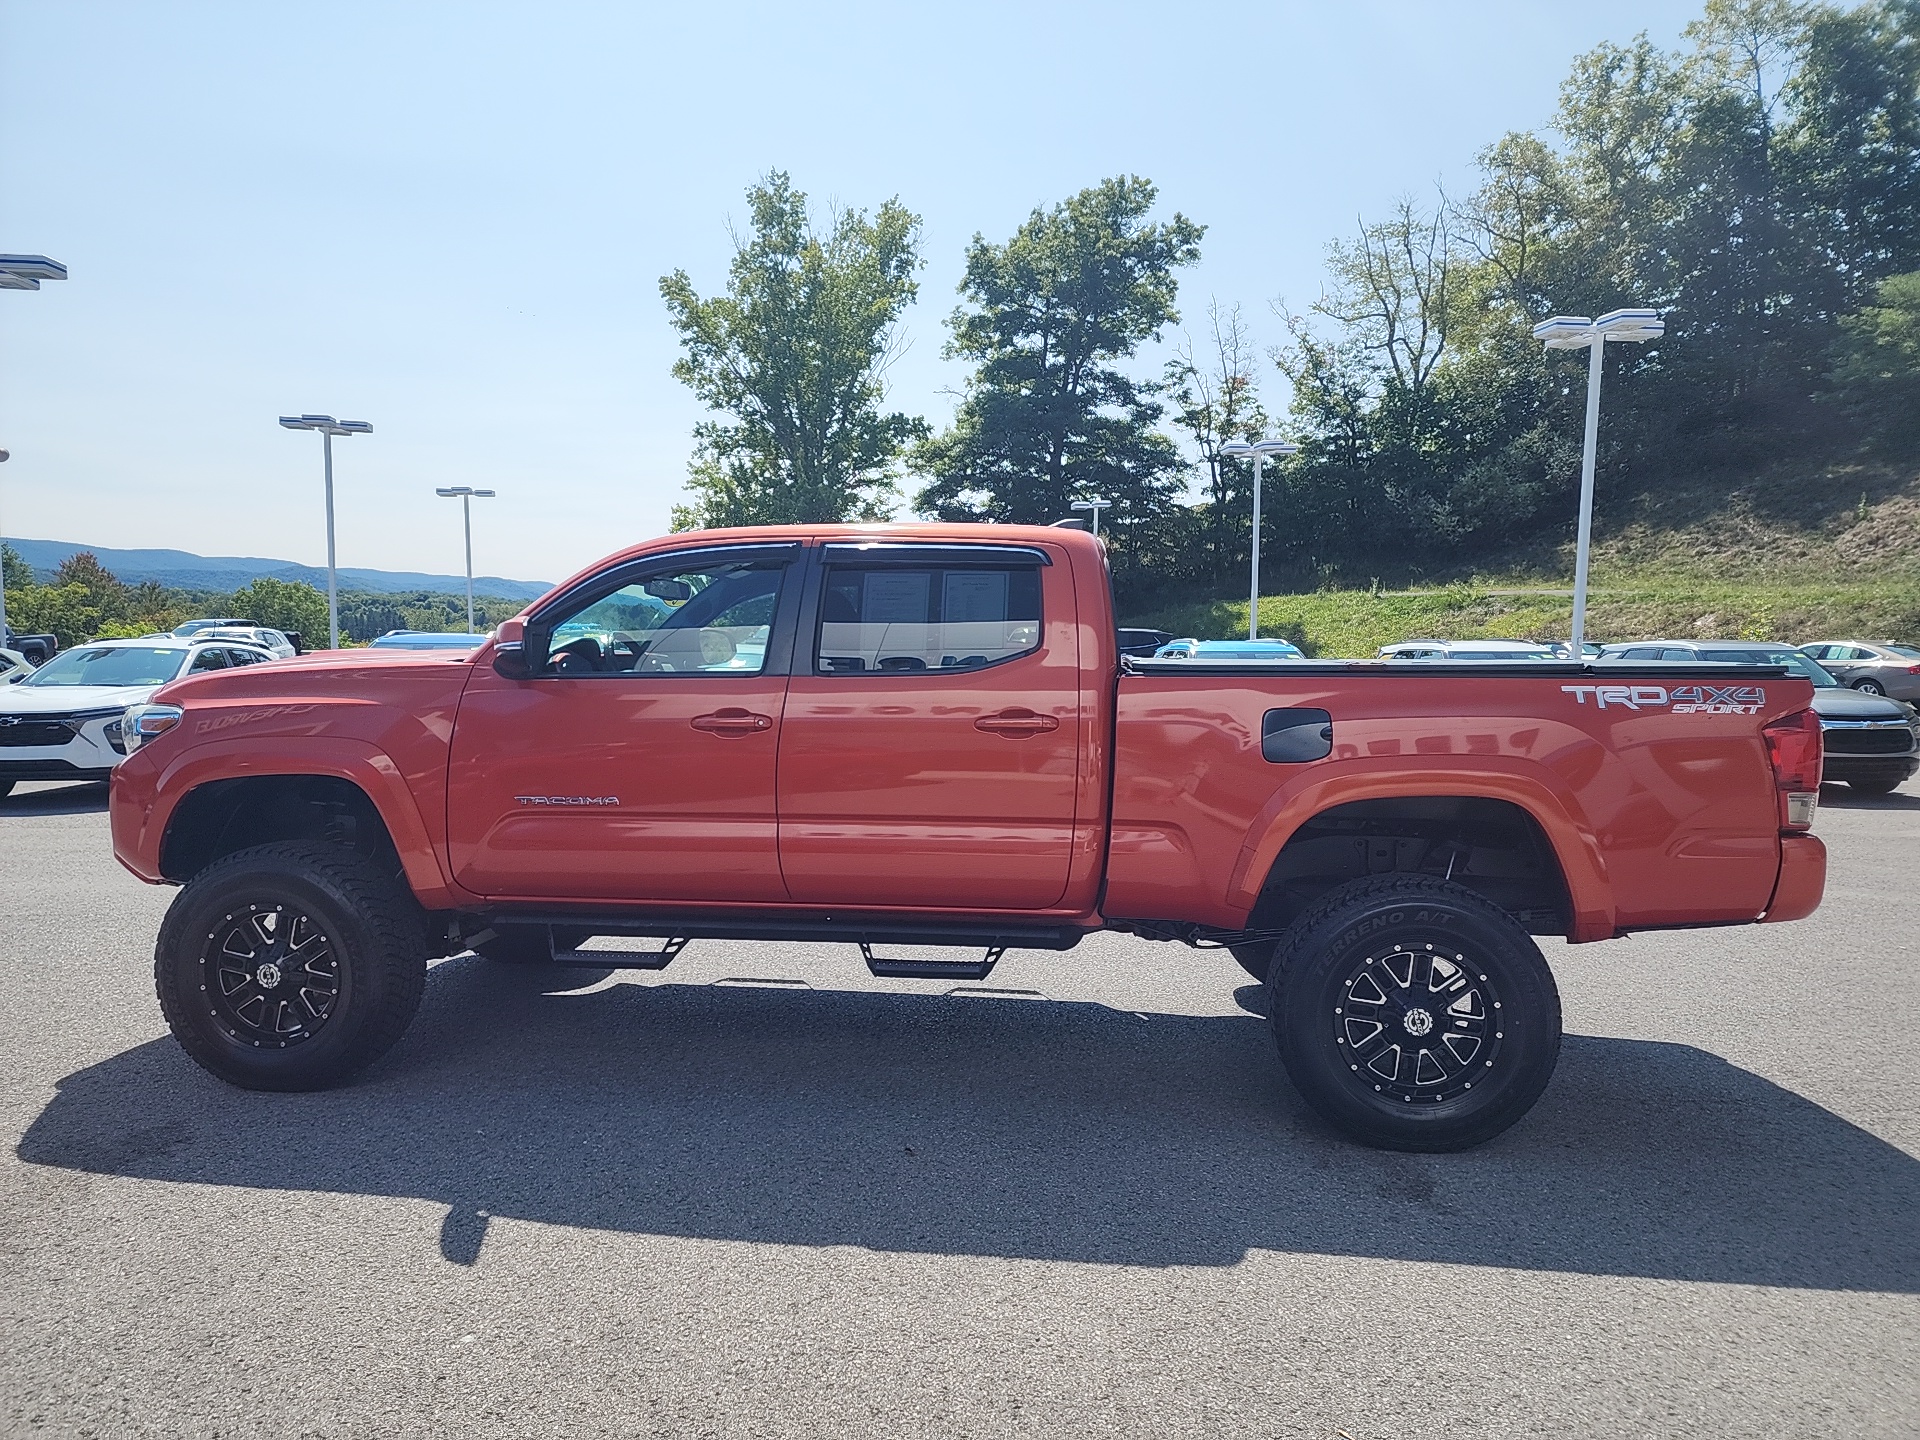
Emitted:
<point x="1259" y="450"/>
<point x="1093" y="506"/>
<point x="1577" y="332"/>
<point x="467" y="496"/>
<point x="24" y="272"/>
<point x="328" y="428"/>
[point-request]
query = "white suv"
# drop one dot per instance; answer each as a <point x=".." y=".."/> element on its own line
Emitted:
<point x="63" y="721"/>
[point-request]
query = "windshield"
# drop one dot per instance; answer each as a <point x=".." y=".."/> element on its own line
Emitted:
<point x="110" y="665"/>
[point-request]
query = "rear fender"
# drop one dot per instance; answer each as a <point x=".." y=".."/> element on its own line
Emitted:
<point x="1575" y="845"/>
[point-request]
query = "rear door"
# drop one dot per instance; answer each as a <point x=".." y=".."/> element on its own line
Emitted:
<point x="929" y="752"/>
<point x="637" y="762"/>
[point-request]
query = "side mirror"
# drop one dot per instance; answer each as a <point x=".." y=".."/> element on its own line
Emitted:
<point x="511" y="658"/>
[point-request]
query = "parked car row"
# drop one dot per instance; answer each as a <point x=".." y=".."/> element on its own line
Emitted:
<point x="63" y="721"/>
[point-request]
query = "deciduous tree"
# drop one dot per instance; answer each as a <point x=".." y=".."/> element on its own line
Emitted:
<point x="795" y="354"/>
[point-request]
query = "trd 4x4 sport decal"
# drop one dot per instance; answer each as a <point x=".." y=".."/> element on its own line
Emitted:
<point x="1681" y="699"/>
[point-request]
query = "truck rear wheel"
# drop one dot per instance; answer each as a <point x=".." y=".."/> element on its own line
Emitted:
<point x="1411" y="1014"/>
<point x="290" y="967"/>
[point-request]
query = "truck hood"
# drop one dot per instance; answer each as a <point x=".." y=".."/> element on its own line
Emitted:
<point x="1839" y="704"/>
<point x="66" y="699"/>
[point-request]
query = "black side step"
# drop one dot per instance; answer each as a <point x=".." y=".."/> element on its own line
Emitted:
<point x="620" y="959"/>
<point x="891" y="969"/>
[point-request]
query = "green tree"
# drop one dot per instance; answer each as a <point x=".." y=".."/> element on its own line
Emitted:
<point x="288" y="605"/>
<point x="1877" y="371"/>
<point x="1048" y="417"/>
<point x="796" y="352"/>
<point x="15" y="570"/>
<point x="105" y="592"/>
<point x="66" y="612"/>
<point x="1216" y="401"/>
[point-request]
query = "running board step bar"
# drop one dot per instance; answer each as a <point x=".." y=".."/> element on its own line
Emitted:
<point x="891" y="969"/>
<point x="621" y="959"/>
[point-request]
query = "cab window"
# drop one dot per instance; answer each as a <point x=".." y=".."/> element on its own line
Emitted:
<point x="937" y="618"/>
<point x="211" y="658"/>
<point x="701" y="620"/>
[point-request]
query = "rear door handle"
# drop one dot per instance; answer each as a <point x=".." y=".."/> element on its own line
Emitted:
<point x="731" y="721"/>
<point x="1015" y="723"/>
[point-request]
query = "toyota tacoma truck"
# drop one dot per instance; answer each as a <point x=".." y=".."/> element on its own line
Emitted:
<point x="924" y="735"/>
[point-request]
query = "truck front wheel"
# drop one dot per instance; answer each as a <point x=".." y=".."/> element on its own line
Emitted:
<point x="290" y="967"/>
<point x="1411" y="1014"/>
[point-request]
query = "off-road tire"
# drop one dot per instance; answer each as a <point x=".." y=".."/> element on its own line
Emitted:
<point x="1498" y="994"/>
<point x="375" y="941"/>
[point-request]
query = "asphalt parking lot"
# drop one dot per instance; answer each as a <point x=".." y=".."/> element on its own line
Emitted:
<point x="669" y="1204"/>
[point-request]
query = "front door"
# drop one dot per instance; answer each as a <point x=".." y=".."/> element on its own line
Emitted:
<point x="637" y="761"/>
<point x="929" y="753"/>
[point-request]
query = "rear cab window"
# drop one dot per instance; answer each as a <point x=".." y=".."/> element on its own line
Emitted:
<point x="956" y="615"/>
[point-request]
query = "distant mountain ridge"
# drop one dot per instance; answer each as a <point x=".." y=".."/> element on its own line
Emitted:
<point x="182" y="570"/>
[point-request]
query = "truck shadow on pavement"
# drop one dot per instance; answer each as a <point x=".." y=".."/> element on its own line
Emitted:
<point x="1006" y="1127"/>
<point x="90" y="799"/>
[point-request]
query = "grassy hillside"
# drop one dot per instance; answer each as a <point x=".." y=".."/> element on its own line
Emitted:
<point x="1777" y="557"/>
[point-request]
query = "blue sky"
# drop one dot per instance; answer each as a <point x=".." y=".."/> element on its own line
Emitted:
<point x="451" y="219"/>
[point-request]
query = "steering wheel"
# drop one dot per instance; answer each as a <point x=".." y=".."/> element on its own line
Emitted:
<point x="579" y="657"/>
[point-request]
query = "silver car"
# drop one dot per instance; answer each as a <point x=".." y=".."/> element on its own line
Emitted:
<point x="1871" y="665"/>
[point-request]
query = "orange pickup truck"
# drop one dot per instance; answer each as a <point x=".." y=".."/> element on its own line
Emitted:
<point x="924" y="734"/>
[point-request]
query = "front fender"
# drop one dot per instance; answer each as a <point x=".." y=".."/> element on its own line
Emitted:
<point x="1553" y="808"/>
<point x="354" y="761"/>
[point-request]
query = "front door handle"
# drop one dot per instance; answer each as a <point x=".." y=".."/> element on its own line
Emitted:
<point x="1015" y="723"/>
<point x="732" y="721"/>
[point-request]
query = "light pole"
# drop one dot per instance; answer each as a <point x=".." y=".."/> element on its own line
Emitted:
<point x="1094" y="506"/>
<point x="23" y="272"/>
<point x="328" y="428"/>
<point x="1577" y="332"/>
<point x="1259" y="449"/>
<point x="467" y="496"/>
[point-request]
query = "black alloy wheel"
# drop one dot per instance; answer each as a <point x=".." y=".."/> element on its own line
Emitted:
<point x="291" y="966"/>
<point x="1419" y="1024"/>
<point x="1411" y="1014"/>
<point x="270" y="974"/>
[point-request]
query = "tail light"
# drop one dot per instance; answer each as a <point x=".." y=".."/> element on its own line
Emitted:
<point x="1794" y="748"/>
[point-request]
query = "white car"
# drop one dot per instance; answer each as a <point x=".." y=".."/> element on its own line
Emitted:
<point x="14" y="667"/>
<point x="63" y="721"/>
<point x="1466" y="650"/>
<point x="266" y="638"/>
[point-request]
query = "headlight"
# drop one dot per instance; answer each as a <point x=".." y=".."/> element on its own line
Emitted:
<point x="142" y="723"/>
